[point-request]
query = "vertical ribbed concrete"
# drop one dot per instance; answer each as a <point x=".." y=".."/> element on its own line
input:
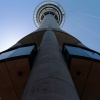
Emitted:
<point x="50" y="78"/>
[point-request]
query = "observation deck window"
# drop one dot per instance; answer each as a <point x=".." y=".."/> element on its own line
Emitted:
<point x="81" y="52"/>
<point x="18" y="52"/>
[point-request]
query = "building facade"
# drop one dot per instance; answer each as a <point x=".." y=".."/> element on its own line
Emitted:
<point x="49" y="64"/>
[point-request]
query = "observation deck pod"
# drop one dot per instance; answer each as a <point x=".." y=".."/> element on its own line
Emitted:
<point x="49" y="7"/>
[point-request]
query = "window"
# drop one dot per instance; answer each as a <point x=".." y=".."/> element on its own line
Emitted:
<point x="72" y="50"/>
<point x="18" y="52"/>
<point x="93" y="55"/>
<point x="6" y="55"/>
<point x="76" y="51"/>
<point x="22" y="51"/>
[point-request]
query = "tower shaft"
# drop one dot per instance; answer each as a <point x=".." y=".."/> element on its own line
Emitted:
<point x="49" y="22"/>
<point x="50" y="78"/>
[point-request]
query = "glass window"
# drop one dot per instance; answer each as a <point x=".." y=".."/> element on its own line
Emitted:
<point x="6" y="55"/>
<point x="17" y="52"/>
<point x="93" y="55"/>
<point x="76" y="51"/>
<point x="81" y="52"/>
<point x="22" y="51"/>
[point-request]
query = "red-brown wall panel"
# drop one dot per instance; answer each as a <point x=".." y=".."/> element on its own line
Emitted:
<point x="79" y="70"/>
<point x="92" y="88"/>
<point x="6" y="88"/>
<point x="19" y="70"/>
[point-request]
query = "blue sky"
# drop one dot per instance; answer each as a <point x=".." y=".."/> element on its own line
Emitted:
<point x="82" y="21"/>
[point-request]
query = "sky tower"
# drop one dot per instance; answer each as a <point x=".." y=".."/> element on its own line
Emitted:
<point x="50" y="78"/>
<point x="49" y="64"/>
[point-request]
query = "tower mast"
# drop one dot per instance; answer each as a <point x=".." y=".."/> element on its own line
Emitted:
<point x="50" y="78"/>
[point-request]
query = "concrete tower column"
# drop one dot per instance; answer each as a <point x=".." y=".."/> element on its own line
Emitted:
<point x="50" y="78"/>
<point x="49" y="22"/>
